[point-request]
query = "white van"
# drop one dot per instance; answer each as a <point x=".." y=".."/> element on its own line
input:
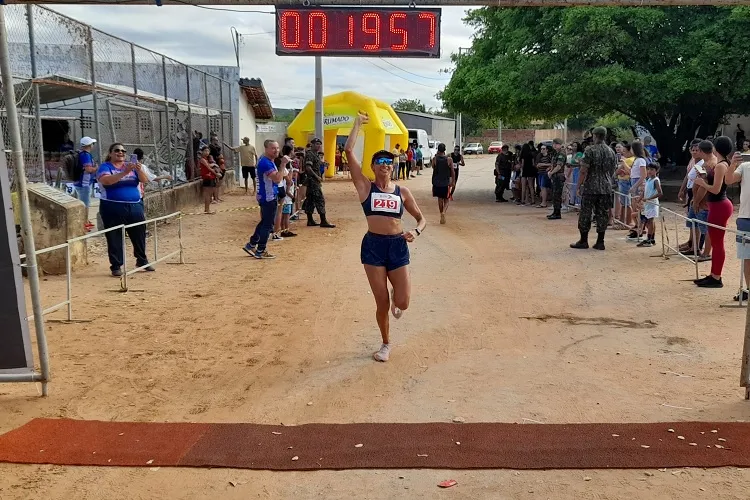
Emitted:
<point x="420" y="135"/>
<point x="433" y="146"/>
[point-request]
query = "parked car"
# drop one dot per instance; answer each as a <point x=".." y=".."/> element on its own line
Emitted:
<point x="495" y="147"/>
<point x="474" y="148"/>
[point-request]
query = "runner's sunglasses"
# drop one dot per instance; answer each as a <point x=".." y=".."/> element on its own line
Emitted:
<point x="384" y="161"/>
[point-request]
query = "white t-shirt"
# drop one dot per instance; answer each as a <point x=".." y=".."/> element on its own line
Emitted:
<point x="744" y="171"/>
<point x="150" y="175"/>
<point x="693" y="174"/>
<point x="289" y="193"/>
<point x="635" y="170"/>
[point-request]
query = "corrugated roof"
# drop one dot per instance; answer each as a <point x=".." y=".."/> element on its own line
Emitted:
<point x="257" y="98"/>
<point x="425" y="115"/>
<point x="57" y="88"/>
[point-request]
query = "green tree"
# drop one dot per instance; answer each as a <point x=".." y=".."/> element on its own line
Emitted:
<point x="676" y="70"/>
<point x="623" y="126"/>
<point x="409" y="105"/>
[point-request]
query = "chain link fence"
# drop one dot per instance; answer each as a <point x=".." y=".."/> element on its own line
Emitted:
<point x="72" y="80"/>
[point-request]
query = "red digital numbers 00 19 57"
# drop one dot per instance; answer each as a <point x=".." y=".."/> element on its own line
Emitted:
<point x="358" y="31"/>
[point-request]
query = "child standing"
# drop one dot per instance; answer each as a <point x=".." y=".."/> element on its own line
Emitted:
<point x="515" y="183"/>
<point x="208" y="175"/>
<point x="287" y="204"/>
<point x="651" y="194"/>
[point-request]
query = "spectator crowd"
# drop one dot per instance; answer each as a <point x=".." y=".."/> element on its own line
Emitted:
<point x="617" y="185"/>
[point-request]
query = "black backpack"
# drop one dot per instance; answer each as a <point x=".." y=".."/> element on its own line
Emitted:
<point x="72" y="166"/>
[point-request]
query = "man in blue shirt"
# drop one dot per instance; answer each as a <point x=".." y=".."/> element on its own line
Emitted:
<point x="268" y="179"/>
<point x="85" y="174"/>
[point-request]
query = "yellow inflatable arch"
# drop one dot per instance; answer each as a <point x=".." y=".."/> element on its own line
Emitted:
<point x="384" y="130"/>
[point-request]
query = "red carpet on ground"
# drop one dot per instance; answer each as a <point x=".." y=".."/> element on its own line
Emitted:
<point x="379" y="446"/>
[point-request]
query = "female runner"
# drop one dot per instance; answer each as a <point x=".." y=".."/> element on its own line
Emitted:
<point x="385" y="253"/>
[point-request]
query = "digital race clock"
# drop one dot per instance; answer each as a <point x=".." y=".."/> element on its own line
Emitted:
<point x="357" y="31"/>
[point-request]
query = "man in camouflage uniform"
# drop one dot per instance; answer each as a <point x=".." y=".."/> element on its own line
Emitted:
<point x="557" y="174"/>
<point x="314" y="198"/>
<point x="597" y="168"/>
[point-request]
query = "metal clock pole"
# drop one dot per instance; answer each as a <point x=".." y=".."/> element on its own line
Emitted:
<point x="16" y="144"/>
<point x="319" y="97"/>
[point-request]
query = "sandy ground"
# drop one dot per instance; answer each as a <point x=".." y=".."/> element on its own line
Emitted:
<point x="226" y="338"/>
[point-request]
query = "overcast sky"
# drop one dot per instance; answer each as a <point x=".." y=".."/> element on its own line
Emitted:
<point x="196" y="35"/>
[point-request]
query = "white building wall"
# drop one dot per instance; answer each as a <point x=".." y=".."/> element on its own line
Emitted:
<point x="730" y="128"/>
<point x="270" y="130"/>
<point x="246" y="120"/>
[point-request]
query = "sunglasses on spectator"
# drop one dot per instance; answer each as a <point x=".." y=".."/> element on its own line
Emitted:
<point x="119" y="151"/>
<point x="383" y="161"/>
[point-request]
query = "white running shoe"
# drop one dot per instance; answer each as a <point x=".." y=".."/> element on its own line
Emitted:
<point x="395" y="310"/>
<point x="383" y="353"/>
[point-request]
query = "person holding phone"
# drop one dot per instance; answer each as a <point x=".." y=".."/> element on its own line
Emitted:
<point x="269" y="177"/>
<point x="120" y="203"/>
<point x="281" y="191"/>
<point x="719" y="207"/>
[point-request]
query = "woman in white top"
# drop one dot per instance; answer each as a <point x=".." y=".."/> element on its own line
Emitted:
<point x="637" y="179"/>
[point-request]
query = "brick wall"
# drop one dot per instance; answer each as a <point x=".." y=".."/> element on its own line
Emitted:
<point x="510" y="136"/>
<point x="523" y="135"/>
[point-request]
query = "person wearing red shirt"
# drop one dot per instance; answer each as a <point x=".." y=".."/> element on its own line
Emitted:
<point x="410" y="161"/>
<point x="208" y="174"/>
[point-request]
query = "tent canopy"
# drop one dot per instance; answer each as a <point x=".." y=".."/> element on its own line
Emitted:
<point x="339" y="111"/>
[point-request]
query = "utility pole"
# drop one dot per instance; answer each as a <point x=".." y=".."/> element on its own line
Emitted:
<point x="459" y="121"/>
<point x="319" y="97"/>
<point x="500" y="130"/>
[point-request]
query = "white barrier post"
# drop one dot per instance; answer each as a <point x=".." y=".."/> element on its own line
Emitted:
<point x="68" y="272"/>
<point x="740" y="294"/>
<point x="179" y="237"/>
<point x="156" y="243"/>
<point x="696" y="243"/>
<point x="156" y="258"/>
<point x="124" y="279"/>
<point x="745" y="370"/>
<point x="742" y="277"/>
<point x="663" y="246"/>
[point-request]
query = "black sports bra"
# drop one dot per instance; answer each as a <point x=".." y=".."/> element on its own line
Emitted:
<point x="722" y="194"/>
<point x="385" y="204"/>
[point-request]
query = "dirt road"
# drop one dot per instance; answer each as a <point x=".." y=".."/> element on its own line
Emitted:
<point x="619" y="337"/>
